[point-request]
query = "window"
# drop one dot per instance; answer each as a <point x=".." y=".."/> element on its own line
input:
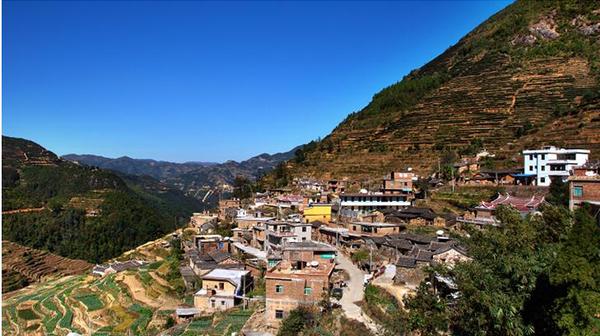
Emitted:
<point x="222" y="303"/>
<point x="353" y="227"/>
<point x="543" y="168"/>
<point x="543" y="156"/>
<point x="530" y="168"/>
<point x="279" y="314"/>
<point x="530" y="157"/>
<point x="304" y="229"/>
<point x="375" y="230"/>
<point x="307" y="291"/>
<point x="543" y="180"/>
<point x="221" y="286"/>
<point x="278" y="288"/>
<point x="578" y="191"/>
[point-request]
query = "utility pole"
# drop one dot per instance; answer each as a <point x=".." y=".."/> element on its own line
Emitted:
<point x="452" y="176"/>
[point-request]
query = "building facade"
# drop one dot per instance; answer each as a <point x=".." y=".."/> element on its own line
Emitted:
<point x="365" y="202"/>
<point x="584" y="186"/>
<point x="552" y="162"/>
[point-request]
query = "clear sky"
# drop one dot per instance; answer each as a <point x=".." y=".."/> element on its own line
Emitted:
<point x="208" y="81"/>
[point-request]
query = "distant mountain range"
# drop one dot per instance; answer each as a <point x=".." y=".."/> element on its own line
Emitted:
<point x="194" y="178"/>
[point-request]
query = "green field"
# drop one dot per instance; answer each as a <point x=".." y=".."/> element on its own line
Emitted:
<point x="219" y="324"/>
<point x="91" y="301"/>
<point x="56" y="307"/>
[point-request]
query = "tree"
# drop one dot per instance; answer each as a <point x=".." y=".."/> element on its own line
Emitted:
<point x="427" y="313"/>
<point x="558" y="193"/>
<point x="242" y="187"/>
<point x="576" y="274"/>
<point x="297" y="320"/>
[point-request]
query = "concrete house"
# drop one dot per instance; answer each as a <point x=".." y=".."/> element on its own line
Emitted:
<point x="552" y="162"/>
<point x="222" y="289"/>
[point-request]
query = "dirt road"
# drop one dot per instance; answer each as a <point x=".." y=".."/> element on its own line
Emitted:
<point x="354" y="293"/>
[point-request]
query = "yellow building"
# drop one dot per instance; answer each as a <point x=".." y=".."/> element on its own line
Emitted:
<point x="317" y="212"/>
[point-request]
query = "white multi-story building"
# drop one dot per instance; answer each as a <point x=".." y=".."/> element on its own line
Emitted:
<point x="552" y="162"/>
<point x="365" y="202"/>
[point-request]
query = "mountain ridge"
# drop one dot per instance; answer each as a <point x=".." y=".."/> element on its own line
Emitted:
<point x="504" y="86"/>
<point x="82" y="212"/>
<point x="196" y="180"/>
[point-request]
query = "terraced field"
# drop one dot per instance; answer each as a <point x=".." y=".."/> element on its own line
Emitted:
<point x="219" y="324"/>
<point x="87" y="305"/>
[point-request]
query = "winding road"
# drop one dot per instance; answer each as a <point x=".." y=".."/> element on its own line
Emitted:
<point x="354" y="293"/>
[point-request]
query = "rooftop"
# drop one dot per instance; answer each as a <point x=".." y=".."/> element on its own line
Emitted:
<point x="520" y="203"/>
<point x="308" y="246"/>
<point x="377" y="224"/>
<point x="284" y="269"/>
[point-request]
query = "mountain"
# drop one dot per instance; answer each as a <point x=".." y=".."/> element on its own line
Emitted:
<point x="526" y="77"/>
<point x="82" y="212"/>
<point x="196" y="179"/>
<point x="127" y="165"/>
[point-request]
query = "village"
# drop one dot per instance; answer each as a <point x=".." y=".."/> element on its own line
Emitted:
<point x="292" y="247"/>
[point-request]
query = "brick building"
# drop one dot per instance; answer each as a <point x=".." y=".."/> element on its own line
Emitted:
<point x="288" y="287"/>
<point x="584" y="185"/>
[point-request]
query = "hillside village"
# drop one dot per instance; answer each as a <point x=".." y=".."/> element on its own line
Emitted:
<point x="463" y="200"/>
<point x="290" y="247"/>
<point x="320" y="244"/>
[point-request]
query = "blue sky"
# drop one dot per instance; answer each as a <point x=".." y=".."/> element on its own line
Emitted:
<point x="209" y="81"/>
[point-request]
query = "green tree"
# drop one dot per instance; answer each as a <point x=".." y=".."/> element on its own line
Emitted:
<point x="558" y="193"/>
<point x="297" y="320"/>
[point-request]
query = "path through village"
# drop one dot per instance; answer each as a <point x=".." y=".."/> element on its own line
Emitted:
<point x="353" y="293"/>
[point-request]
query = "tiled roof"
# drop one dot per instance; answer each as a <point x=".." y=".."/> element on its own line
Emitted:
<point x="406" y="262"/>
<point x="219" y="256"/>
<point x="520" y="203"/>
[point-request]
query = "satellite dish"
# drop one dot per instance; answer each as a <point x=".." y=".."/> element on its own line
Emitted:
<point x="439" y="232"/>
<point x="314" y="263"/>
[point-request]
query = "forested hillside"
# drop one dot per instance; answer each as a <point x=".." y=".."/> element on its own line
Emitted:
<point x="528" y="76"/>
<point x="82" y="212"/>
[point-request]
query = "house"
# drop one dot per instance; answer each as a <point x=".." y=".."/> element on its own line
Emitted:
<point x="466" y="165"/>
<point x="331" y="235"/>
<point x="365" y="202"/>
<point x="248" y="222"/>
<point x="305" y="252"/>
<point x="373" y="229"/>
<point x="200" y="218"/>
<point x="115" y="267"/>
<point x="209" y="242"/>
<point x="584" y="185"/>
<point x="450" y="255"/>
<point x="202" y="263"/>
<point x="228" y="208"/>
<point x="485" y="211"/>
<point x="278" y="233"/>
<point x="222" y="289"/>
<point x="317" y="212"/>
<point x="414" y="216"/>
<point x="552" y="162"/>
<point x="398" y="183"/>
<point x="288" y="286"/>
<point x="185" y="314"/>
<point x="258" y="236"/>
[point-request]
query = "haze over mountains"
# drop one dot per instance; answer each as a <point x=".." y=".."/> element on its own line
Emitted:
<point x="194" y="178"/>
